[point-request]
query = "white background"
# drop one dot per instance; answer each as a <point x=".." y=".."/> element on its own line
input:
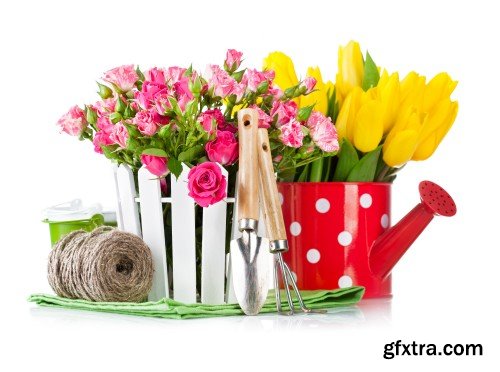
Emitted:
<point x="446" y="286"/>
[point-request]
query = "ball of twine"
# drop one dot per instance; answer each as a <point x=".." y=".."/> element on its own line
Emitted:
<point x="103" y="265"/>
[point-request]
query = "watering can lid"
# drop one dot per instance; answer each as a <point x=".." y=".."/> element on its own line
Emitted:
<point x="72" y="210"/>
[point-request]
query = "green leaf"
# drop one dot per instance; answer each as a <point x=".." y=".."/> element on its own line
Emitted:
<point x="115" y="117"/>
<point x="165" y="132"/>
<point x="371" y="75"/>
<point x="139" y="73"/>
<point x="90" y="115"/>
<point x="364" y="170"/>
<point x="304" y="174"/>
<point x="120" y="106"/>
<point x="304" y="113"/>
<point x="155" y="152"/>
<point x="238" y="75"/>
<point x="348" y="158"/>
<point x="129" y="112"/>
<point x="175" y="166"/>
<point x="316" y="170"/>
<point x="191" y="154"/>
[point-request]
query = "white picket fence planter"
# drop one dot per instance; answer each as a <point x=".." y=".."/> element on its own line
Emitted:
<point x="148" y="205"/>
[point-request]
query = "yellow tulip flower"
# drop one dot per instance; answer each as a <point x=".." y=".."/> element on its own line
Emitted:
<point x="284" y="69"/>
<point x="346" y="119"/>
<point x="369" y="127"/>
<point x="350" y="68"/>
<point x="388" y="93"/>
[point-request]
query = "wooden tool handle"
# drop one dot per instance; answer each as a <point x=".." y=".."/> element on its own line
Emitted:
<point x="269" y="190"/>
<point x="248" y="173"/>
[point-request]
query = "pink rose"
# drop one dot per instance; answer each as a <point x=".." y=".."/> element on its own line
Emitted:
<point x="150" y="90"/>
<point x="264" y="119"/>
<point x="206" y="184"/>
<point x="182" y="92"/>
<point x="224" y="149"/>
<point x="147" y="122"/>
<point x="220" y="80"/>
<point x="233" y="60"/>
<point x="276" y="92"/>
<point x="174" y="74"/>
<point x="162" y="103"/>
<point x="291" y="133"/>
<point x="123" y="77"/>
<point x="309" y="83"/>
<point x="119" y="135"/>
<point x="104" y="124"/>
<point x="105" y="107"/>
<point x="210" y="117"/>
<point x="156" y="76"/>
<point x="101" y="139"/>
<point x="284" y="110"/>
<point x="254" y="78"/>
<point x="156" y="165"/>
<point x="73" y="122"/>
<point x="323" y="132"/>
<point x="239" y="90"/>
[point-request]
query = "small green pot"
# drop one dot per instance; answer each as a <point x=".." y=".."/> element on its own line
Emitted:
<point x="59" y="229"/>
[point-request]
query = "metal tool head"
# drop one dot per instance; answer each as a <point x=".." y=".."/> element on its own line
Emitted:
<point x="249" y="265"/>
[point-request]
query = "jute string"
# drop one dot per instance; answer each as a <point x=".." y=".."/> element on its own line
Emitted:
<point x="103" y="265"/>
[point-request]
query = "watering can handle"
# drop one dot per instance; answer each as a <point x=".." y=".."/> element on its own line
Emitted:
<point x="269" y="190"/>
<point x="248" y="191"/>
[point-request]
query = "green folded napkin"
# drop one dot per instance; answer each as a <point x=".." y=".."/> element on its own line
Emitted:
<point x="168" y="308"/>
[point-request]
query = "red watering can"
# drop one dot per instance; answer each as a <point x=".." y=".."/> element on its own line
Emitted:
<point x="339" y="232"/>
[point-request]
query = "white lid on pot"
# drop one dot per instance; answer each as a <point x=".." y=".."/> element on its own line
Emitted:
<point x="73" y="210"/>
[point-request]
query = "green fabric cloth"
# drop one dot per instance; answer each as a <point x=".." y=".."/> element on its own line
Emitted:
<point x="168" y="308"/>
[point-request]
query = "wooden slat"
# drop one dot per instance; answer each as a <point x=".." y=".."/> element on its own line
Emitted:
<point x="183" y="240"/>
<point x="153" y="231"/>
<point x="213" y="256"/>
<point x="127" y="195"/>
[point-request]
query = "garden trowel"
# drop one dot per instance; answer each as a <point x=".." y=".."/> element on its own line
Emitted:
<point x="249" y="253"/>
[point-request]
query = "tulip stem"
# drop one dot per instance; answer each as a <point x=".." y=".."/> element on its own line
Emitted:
<point x="316" y="170"/>
<point x="383" y="173"/>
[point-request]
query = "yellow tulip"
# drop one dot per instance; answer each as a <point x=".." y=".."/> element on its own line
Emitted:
<point x="439" y="87"/>
<point x="436" y="125"/>
<point x="388" y="93"/>
<point x="346" y="119"/>
<point x="350" y="68"/>
<point x="369" y="127"/>
<point x="318" y="98"/>
<point x="284" y="69"/>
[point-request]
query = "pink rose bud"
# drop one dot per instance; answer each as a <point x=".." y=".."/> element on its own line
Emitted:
<point x="206" y="184"/>
<point x="123" y="77"/>
<point x="323" y="132"/>
<point x="119" y="135"/>
<point x="253" y="78"/>
<point x="233" y="60"/>
<point x="156" y="165"/>
<point x="291" y="133"/>
<point x="101" y="138"/>
<point x="174" y="74"/>
<point x="73" y="122"/>
<point x="284" y="111"/>
<point x="308" y="84"/>
<point x="224" y="149"/>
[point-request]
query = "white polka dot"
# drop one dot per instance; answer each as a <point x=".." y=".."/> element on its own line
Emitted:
<point x="280" y="197"/>
<point x="322" y="205"/>
<point x="384" y="221"/>
<point x="295" y="228"/>
<point x="365" y="200"/>
<point x="345" y="238"/>
<point x="313" y="255"/>
<point x="345" y="281"/>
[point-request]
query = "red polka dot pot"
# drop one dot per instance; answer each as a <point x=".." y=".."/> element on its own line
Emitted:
<point x="339" y="233"/>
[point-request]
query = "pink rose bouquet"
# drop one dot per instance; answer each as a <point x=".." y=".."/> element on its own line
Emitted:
<point x="162" y="118"/>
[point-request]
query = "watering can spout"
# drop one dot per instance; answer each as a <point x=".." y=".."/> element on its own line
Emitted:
<point x="391" y="246"/>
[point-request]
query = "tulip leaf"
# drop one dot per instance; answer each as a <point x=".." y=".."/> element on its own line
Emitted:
<point x="371" y="75"/>
<point x="190" y="154"/>
<point x="174" y="166"/>
<point x="364" y="170"/>
<point x="155" y="152"/>
<point x="348" y="158"/>
<point x="304" y="174"/>
<point x="333" y="105"/>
